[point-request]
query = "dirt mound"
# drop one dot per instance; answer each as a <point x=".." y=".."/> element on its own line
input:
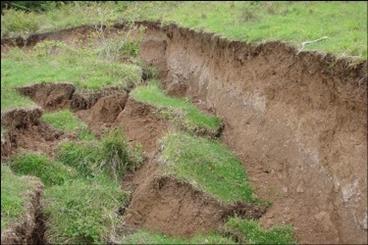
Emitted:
<point x="29" y="228"/>
<point x="164" y="204"/>
<point x="141" y="125"/>
<point x="298" y="121"/>
<point x="25" y="131"/>
<point x="21" y="118"/>
<point x="104" y="112"/>
<point x="49" y="95"/>
<point x="83" y="100"/>
<point x="108" y="108"/>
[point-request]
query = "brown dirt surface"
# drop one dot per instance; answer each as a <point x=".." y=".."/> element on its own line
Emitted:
<point x="165" y="204"/>
<point x="298" y="121"/>
<point x="104" y="112"/>
<point x="24" y="131"/>
<point x="29" y="228"/>
<point x="50" y="96"/>
<point x="142" y="125"/>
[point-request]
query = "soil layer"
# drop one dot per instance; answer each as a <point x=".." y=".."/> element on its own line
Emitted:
<point x="297" y="120"/>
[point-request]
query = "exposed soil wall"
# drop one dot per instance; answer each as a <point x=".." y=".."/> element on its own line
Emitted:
<point x="25" y="131"/>
<point x="298" y="122"/>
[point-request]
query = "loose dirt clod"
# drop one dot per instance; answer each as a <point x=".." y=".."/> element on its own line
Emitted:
<point x="25" y="131"/>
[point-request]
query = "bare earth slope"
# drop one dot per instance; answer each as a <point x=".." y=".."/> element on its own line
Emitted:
<point x="298" y="122"/>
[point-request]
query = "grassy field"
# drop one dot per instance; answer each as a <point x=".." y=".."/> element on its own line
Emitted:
<point x="344" y="23"/>
<point x="180" y="111"/>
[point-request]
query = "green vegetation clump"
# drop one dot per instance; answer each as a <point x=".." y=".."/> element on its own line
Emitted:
<point x="144" y="237"/>
<point x="180" y="111"/>
<point x="49" y="171"/>
<point x="66" y="121"/>
<point x="110" y="155"/>
<point x="83" y="211"/>
<point x="13" y="189"/>
<point x="11" y="99"/>
<point x="208" y="165"/>
<point x="250" y="232"/>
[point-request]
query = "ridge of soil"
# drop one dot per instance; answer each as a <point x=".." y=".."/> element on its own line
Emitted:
<point x="28" y="229"/>
<point x="298" y="122"/>
<point x="50" y="96"/>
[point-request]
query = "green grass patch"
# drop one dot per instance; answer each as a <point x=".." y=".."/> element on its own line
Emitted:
<point x="52" y="61"/>
<point x="110" y="155"/>
<point x="49" y="171"/>
<point x="250" y="232"/>
<point x="208" y="165"/>
<point x="179" y="110"/>
<point x="11" y="99"/>
<point x="83" y="211"/>
<point x="13" y="189"/>
<point x="249" y="21"/>
<point x="144" y="237"/>
<point x="66" y="121"/>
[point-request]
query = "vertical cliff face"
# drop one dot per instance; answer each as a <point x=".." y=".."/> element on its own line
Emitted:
<point x="297" y="120"/>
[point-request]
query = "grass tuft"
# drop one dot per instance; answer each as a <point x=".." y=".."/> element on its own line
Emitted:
<point x="144" y="237"/>
<point x="180" y="111"/>
<point x="83" y="211"/>
<point x="110" y="155"/>
<point x="207" y="164"/>
<point x="250" y="232"/>
<point x="50" y="172"/>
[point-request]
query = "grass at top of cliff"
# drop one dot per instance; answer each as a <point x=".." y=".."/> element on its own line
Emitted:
<point x="345" y="23"/>
<point x="66" y="121"/>
<point x="53" y="61"/>
<point x="181" y="111"/>
<point x="207" y="165"/>
<point x="250" y="232"/>
<point x="13" y="189"/>
<point x="145" y="237"/>
<point x="83" y="211"/>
